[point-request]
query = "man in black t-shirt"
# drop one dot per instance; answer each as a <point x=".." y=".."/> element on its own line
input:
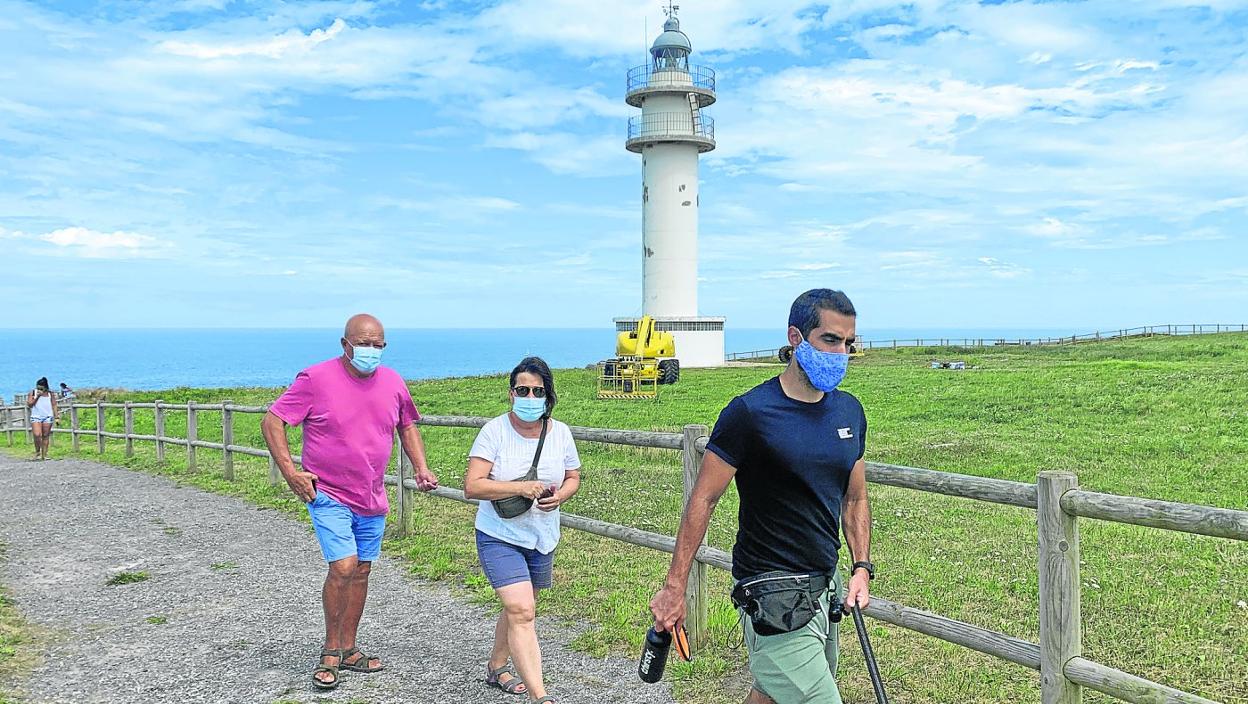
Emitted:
<point x="795" y="446"/>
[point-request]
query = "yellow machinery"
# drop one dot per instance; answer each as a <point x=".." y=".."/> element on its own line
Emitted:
<point x="644" y="358"/>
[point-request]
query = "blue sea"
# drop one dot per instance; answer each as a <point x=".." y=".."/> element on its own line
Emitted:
<point x="210" y="358"/>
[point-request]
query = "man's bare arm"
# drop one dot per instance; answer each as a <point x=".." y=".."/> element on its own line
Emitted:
<point x="414" y="445"/>
<point x="856" y="523"/>
<point x="300" y="482"/>
<point x="668" y="606"/>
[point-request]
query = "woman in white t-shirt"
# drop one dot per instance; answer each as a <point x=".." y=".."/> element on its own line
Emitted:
<point x="517" y="554"/>
<point x="42" y="415"/>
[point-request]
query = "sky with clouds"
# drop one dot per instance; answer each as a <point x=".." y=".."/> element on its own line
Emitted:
<point x="191" y="163"/>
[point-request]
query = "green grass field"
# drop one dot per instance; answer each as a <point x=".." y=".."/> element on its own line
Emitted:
<point x="1162" y="418"/>
<point x="17" y="647"/>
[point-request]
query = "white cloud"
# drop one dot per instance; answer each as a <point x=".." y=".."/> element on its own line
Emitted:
<point x="1003" y="270"/>
<point x="276" y="47"/>
<point x="1053" y="227"/>
<point x="584" y="29"/>
<point x="571" y="153"/>
<point x="92" y="244"/>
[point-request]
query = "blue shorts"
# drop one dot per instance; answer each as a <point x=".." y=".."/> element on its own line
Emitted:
<point x="505" y="564"/>
<point x="343" y="532"/>
<point x="41" y="419"/>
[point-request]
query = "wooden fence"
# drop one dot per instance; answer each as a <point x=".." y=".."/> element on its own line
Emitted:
<point x="976" y="342"/>
<point x="1055" y="496"/>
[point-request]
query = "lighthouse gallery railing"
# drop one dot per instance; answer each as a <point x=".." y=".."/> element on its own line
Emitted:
<point x="646" y="76"/>
<point x="671" y="124"/>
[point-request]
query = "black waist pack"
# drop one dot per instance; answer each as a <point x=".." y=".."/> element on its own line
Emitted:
<point x="513" y="506"/>
<point x="779" y="602"/>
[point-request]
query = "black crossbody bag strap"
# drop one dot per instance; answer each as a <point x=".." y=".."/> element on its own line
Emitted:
<point x="541" y="440"/>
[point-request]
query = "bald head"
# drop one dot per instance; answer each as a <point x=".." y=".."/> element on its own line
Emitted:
<point x="363" y="323"/>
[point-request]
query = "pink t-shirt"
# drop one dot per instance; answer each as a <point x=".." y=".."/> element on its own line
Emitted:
<point x="348" y="429"/>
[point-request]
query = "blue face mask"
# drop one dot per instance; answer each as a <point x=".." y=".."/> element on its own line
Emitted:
<point x="528" y="408"/>
<point x="824" y="369"/>
<point x="365" y="359"/>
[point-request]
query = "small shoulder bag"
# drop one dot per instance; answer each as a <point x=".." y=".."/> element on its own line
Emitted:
<point x="514" y="506"/>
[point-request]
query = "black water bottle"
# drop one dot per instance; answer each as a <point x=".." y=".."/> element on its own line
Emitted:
<point x="654" y="655"/>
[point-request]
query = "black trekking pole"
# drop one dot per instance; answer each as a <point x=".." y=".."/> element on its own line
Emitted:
<point x="869" y="655"/>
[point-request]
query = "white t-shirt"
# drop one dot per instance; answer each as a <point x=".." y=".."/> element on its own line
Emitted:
<point x="512" y="455"/>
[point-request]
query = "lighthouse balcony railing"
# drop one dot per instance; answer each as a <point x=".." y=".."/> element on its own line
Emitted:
<point x="671" y="125"/>
<point x="651" y="76"/>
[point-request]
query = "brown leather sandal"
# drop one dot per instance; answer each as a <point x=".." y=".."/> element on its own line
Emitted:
<point x="361" y="664"/>
<point x="331" y="669"/>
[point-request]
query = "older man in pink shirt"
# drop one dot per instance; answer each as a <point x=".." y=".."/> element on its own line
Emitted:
<point x="349" y="407"/>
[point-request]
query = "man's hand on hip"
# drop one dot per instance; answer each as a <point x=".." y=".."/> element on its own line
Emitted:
<point x="668" y="607"/>
<point x="859" y="591"/>
<point x="300" y="482"/>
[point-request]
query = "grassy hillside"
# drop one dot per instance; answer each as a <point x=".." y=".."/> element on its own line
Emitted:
<point x="1161" y="418"/>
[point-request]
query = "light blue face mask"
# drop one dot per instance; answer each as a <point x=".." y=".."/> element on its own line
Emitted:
<point x="824" y="369"/>
<point x="528" y="408"/>
<point x="365" y="359"/>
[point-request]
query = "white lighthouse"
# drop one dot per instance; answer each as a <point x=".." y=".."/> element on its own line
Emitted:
<point x="669" y="134"/>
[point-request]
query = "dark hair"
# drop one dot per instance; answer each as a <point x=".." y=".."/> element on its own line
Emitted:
<point x="42" y="383"/>
<point x="538" y="366"/>
<point x="64" y="386"/>
<point x="804" y="315"/>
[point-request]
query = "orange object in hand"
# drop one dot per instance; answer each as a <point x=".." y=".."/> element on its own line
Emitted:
<point x="680" y="639"/>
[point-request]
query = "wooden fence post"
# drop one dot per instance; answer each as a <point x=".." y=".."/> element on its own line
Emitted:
<point x="160" y="431"/>
<point x="192" y="435"/>
<point x="73" y="425"/>
<point x="30" y="434"/>
<point x="398" y="527"/>
<point x="1061" y="634"/>
<point x="99" y="426"/>
<point x="227" y="438"/>
<point x="409" y="495"/>
<point x="696" y="600"/>
<point x="129" y="430"/>
<point x="8" y="423"/>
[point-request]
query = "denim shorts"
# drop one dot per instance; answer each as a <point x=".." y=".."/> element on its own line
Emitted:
<point x="505" y="564"/>
<point x="343" y="532"/>
<point x="41" y="419"/>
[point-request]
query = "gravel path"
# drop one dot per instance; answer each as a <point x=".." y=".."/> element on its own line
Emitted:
<point x="238" y="590"/>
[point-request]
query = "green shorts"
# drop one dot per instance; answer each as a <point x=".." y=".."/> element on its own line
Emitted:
<point x="798" y="666"/>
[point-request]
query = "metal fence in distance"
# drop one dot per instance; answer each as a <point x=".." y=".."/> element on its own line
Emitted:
<point x="980" y="342"/>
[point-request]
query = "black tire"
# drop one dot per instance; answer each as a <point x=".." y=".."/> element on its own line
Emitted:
<point x="669" y="371"/>
<point x="785" y="353"/>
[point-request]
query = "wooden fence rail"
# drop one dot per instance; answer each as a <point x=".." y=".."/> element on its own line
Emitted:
<point x="1056" y="497"/>
<point x="978" y="342"/>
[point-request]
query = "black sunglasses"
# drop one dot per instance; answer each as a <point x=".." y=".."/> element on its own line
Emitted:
<point x="523" y="391"/>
